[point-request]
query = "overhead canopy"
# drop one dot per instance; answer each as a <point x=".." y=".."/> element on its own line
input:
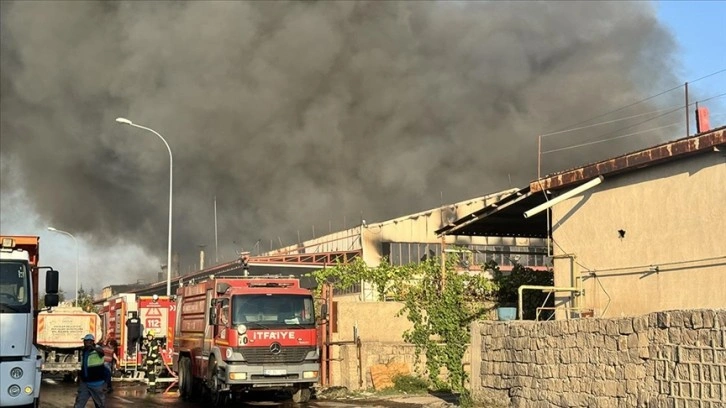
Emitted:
<point x="504" y="218"/>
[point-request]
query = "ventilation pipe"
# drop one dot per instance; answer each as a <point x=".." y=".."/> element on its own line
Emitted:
<point x="201" y="259"/>
<point x="575" y="191"/>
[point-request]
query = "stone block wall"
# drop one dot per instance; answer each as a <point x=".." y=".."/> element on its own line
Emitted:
<point x="664" y="359"/>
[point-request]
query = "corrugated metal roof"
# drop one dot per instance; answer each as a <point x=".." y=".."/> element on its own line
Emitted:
<point x="506" y="217"/>
<point x="651" y="156"/>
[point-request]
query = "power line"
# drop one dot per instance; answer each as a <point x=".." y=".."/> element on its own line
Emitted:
<point x="612" y="138"/>
<point x="611" y="121"/>
<point x="667" y="112"/>
<point x="664" y="114"/>
<point x="642" y="100"/>
<point x="673" y="108"/>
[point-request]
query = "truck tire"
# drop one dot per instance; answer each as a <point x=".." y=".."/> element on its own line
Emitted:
<point x="186" y="382"/>
<point x="301" y="395"/>
<point x="219" y="398"/>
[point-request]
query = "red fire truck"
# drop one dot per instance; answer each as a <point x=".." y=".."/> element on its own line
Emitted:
<point x="152" y="313"/>
<point x="237" y="334"/>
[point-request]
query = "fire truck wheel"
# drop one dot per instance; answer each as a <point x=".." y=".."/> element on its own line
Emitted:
<point x="301" y="395"/>
<point x="185" y="379"/>
<point x="219" y="398"/>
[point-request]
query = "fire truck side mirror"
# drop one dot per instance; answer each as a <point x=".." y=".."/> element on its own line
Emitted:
<point x="212" y="315"/>
<point x="324" y="311"/>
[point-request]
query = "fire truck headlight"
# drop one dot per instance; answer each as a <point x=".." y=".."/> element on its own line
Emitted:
<point x="14" y="390"/>
<point x="241" y="329"/>
<point x="228" y="353"/>
<point x="16" y="373"/>
<point x="237" y="376"/>
<point x="310" y="374"/>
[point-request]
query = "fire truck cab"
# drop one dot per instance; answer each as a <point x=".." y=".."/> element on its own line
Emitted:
<point x="237" y="334"/>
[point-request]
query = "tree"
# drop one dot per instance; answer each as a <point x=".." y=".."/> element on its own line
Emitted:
<point x="441" y="304"/>
<point x="85" y="300"/>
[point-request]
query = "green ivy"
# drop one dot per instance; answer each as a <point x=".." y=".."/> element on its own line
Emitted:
<point x="440" y="305"/>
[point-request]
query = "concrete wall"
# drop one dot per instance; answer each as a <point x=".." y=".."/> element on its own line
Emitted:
<point x="381" y="335"/>
<point x="674" y="218"/>
<point x="664" y="359"/>
<point x="421" y="227"/>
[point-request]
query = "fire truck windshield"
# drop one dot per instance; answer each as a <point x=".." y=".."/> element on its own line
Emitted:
<point x="273" y="310"/>
<point x="14" y="287"/>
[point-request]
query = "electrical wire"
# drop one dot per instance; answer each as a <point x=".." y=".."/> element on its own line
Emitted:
<point x="606" y="294"/>
<point x="610" y="139"/>
<point x="643" y="100"/>
<point x="625" y="268"/>
<point x="612" y="121"/>
<point x="667" y="112"/>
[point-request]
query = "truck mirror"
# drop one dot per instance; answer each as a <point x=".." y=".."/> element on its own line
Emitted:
<point x="212" y="315"/>
<point x="51" y="299"/>
<point x="324" y="311"/>
<point x="222" y="288"/>
<point x="51" y="282"/>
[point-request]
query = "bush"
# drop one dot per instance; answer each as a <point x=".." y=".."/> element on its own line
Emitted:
<point x="509" y="283"/>
<point x="410" y="384"/>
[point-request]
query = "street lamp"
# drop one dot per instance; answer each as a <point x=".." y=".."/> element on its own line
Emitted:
<point x="171" y="172"/>
<point x="77" y="258"/>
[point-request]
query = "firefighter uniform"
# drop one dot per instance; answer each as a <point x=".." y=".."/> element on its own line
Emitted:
<point x="153" y="359"/>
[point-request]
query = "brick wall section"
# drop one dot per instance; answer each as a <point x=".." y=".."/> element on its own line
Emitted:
<point x="664" y="359"/>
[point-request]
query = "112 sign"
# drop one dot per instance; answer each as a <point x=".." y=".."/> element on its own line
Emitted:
<point x="153" y="323"/>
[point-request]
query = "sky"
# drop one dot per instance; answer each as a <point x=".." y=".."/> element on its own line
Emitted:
<point x="697" y="28"/>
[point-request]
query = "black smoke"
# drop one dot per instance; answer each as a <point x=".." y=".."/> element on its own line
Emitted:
<point x="303" y="114"/>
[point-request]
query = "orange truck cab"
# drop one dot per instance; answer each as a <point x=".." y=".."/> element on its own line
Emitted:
<point x="238" y="334"/>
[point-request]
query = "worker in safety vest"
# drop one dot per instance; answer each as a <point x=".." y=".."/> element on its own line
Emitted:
<point x="93" y="375"/>
<point x="109" y="359"/>
<point x="153" y="359"/>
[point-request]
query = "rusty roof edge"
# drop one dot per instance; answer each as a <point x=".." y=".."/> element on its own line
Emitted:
<point x="657" y="154"/>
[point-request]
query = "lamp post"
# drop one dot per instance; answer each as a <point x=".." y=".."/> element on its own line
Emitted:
<point x="77" y="257"/>
<point x="171" y="172"/>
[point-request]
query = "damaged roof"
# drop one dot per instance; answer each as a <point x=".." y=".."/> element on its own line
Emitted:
<point x="648" y="157"/>
<point x="505" y="218"/>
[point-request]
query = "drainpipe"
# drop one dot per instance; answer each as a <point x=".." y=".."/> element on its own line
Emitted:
<point x="522" y="288"/>
<point x="575" y="191"/>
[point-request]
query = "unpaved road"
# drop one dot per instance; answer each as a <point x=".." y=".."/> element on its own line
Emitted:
<point x="56" y="394"/>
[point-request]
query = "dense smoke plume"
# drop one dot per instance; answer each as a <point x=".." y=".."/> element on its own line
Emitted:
<point x="302" y="114"/>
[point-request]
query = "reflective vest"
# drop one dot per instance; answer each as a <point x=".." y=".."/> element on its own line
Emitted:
<point x="108" y="354"/>
<point x="92" y="368"/>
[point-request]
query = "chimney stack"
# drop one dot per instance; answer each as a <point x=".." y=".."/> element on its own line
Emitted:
<point x="201" y="257"/>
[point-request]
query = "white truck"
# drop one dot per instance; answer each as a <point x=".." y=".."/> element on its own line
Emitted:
<point x="59" y="338"/>
<point x="20" y="362"/>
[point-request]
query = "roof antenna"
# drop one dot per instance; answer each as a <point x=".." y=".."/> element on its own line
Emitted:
<point x="510" y="180"/>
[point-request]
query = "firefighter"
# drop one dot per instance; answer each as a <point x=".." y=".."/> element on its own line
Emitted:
<point x="153" y="359"/>
<point x="133" y="330"/>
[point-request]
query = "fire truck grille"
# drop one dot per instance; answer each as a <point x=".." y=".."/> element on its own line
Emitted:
<point x="262" y="355"/>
